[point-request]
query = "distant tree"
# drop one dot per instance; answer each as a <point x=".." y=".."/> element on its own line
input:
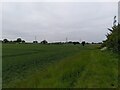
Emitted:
<point x="19" y="40"/>
<point x="23" y="41"/>
<point x="5" y="41"/>
<point x="57" y="43"/>
<point x="35" y="41"/>
<point x="70" y="42"/>
<point x="44" y="42"/>
<point x="99" y="43"/>
<point x="11" y="41"/>
<point x="76" y="43"/>
<point x="83" y="43"/>
<point x="15" y="41"/>
<point x="87" y="43"/>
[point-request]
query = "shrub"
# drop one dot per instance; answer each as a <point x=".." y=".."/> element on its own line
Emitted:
<point x="113" y="39"/>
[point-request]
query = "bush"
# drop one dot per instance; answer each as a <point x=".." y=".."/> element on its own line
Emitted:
<point x="113" y="39"/>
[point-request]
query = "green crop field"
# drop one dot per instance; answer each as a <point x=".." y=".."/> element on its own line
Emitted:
<point x="58" y="66"/>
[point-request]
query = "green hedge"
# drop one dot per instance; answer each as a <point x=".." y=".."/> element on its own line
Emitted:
<point x="113" y="39"/>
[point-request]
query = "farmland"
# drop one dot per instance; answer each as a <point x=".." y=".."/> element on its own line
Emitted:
<point x="58" y="66"/>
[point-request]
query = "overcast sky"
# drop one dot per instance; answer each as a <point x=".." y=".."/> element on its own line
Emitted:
<point x="54" y="21"/>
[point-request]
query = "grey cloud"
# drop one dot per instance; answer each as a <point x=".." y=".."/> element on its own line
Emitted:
<point x="56" y="21"/>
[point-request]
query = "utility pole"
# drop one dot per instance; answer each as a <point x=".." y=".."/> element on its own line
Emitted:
<point x="80" y="40"/>
<point x="115" y="21"/>
<point x="66" y="39"/>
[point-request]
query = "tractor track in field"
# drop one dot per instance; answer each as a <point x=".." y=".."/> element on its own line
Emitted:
<point x="21" y="54"/>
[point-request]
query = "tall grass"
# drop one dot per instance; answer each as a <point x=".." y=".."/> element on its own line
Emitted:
<point x="20" y="60"/>
<point x="85" y="67"/>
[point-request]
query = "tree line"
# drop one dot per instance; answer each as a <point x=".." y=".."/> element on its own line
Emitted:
<point x="19" y="40"/>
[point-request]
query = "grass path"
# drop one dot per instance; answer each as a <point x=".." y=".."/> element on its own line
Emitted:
<point x="89" y="68"/>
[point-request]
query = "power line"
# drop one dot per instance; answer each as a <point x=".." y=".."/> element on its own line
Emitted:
<point x="35" y="38"/>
